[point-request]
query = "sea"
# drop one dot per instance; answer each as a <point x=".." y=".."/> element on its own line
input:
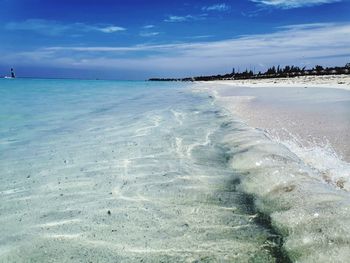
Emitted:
<point x="137" y="171"/>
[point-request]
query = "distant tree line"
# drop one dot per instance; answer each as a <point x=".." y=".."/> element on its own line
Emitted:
<point x="272" y="72"/>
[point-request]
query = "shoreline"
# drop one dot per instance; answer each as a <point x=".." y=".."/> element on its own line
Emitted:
<point x="313" y="111"/>
<point x="307" y="205"/>
<point x="325" y="81"/>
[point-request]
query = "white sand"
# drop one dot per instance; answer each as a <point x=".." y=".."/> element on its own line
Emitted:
<point x="310" y="207"/>
<point x="329" y="81"/>
<point x="309" y="115"/>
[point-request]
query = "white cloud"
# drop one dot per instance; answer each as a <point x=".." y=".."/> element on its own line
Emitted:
<point x="201" y="37"/>
<point x="288" y="4"/>
<point x="149" y="34"/>
<point x="222" y="7"/>
<point x="147" y="31"/>
<point x="177" y="19"/>
<point x="108" y="29"/>
<point x="148" y="26"/>
<point x="55" y="28"/>
<point x="306" y="26"/>
<point x="174" y="19"/>
<point x="297" y="44"/>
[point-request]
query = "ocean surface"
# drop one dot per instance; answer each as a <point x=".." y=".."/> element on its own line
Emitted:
<point x="107" y="171"/>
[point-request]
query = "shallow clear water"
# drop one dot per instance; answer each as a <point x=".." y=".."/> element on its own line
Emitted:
<point x="98" y="171"/>
<point x="108" y="171"/>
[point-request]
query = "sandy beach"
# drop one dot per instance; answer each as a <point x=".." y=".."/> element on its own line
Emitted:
<point x="326" y="81"/>
<point x="304" y="111"/>
<point x="302" y="122"/>
<point x="309" y="115"/>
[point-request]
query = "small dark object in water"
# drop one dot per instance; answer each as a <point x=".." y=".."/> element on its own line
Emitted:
<point x="340" y="183"/>
<point x="28" y="176"/>
<point x="13" y="74"/>
<point x="289" y="188"/>
<point x="109" y="212"/>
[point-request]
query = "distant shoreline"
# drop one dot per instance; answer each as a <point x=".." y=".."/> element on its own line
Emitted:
<point x="324" y="81"/>
<point x="271" y="73"/>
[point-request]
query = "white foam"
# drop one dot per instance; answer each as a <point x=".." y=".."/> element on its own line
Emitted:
<point x="321" y="157"/>
<point x="313" y="216"/>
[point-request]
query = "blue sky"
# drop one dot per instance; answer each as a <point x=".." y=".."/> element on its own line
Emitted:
<point x="138" y="39"/>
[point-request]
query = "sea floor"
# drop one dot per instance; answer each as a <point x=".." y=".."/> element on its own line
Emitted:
<point x="98" y="171"/>
<point x="92" y="172"/>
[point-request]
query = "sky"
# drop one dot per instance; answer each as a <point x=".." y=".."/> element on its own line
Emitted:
<point x="139" y="39"/>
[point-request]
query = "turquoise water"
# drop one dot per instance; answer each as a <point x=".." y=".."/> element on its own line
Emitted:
<point x="103" y="171"/>
<point x="73" y="150"/>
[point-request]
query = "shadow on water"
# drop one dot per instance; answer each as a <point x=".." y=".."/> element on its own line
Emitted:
<point x="230" y="196"/>
<point x="274" y="242"/>
<point x="245" y="204"/>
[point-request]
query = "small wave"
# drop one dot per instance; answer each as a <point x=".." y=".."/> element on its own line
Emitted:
<point x="311" y="215"/>
<point x="320" y="156"/>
